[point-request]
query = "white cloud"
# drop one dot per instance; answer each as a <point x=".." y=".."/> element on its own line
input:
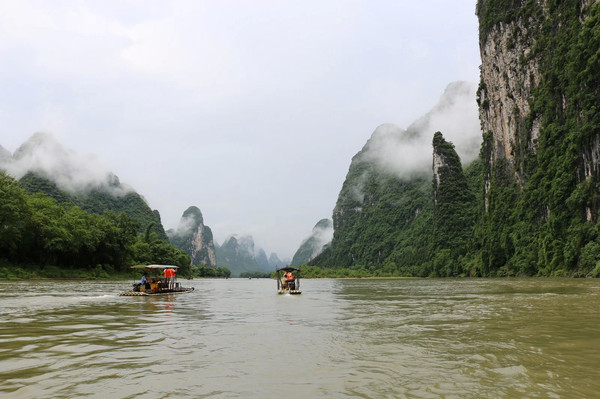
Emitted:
<point x="190" y="101"/>
<point x="409" y="152"/>
<point x="71" y="171"/>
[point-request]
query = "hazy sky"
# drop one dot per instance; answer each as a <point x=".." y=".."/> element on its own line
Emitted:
<point x="249" y="110"/>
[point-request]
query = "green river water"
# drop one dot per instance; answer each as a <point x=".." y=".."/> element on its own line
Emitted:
<point x="236" y="338"/>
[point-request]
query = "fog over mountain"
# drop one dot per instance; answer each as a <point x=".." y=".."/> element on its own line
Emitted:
<point x="312" y="246"/>
<point x="406" y="153"/>
<point x="44" y="155"/>
<point x="249" y="109"/>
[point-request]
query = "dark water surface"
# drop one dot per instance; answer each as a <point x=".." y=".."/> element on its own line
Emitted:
<point x="534" y="338"/>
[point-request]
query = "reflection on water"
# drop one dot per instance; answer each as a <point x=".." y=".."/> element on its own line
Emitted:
<point x="340" y="338"/>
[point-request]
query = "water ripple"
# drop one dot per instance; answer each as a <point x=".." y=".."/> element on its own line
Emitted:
<point x="236" y="338"/>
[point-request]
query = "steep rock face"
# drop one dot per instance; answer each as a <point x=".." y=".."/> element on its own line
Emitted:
<point x="509" y="73"/>
<point x="312" y="246"/>
<point x="538" y="97"/>
<point x="513" y="63"/>
<point x="194" y="238"/>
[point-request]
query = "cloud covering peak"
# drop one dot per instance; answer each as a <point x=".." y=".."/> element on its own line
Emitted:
<point x="408" y="152"/>
<point x="44" y="155"/>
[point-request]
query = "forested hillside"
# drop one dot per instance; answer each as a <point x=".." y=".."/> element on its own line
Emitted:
<point x="529" y="204"/>
<point x="385" y="214"/>
<point x="43" y="164"/>
<point x="47" y="238"/>
<point x="99" y="200"/>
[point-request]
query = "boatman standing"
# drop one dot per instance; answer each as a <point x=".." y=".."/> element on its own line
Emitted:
<point x="172" y="280"/>
<point x="167" y="276"/>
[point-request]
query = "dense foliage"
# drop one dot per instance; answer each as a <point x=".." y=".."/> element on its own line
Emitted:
<point x="255" y="275"/>
<point x="548" y="224"/>
<point x="393" y="227"/>
<point x="99" y="200"/>
<point x="209" y="271"/>
<point x="486" y="221"/>
<point x="454" y="210"/>
<point x="38" y="233"/>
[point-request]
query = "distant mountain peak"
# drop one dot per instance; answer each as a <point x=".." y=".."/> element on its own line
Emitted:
<point x="196" y="239"/>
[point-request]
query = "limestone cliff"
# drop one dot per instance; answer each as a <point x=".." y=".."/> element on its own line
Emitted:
<point x="194" y="238"/>
<point x="509" y="73"/>
<point x="514" y="57"/>
<point x="538" y="100"/>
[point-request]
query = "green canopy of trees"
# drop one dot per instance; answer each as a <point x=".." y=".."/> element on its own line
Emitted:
<point x="38" y="231"/>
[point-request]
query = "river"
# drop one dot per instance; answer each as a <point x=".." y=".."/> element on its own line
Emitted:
<point x="236" y="338"/>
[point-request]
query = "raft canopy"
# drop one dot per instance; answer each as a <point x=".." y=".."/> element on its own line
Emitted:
<point x="154" y="267"/>
<point x="288" y="269"/>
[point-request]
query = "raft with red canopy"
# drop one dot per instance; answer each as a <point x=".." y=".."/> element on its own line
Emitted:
<point x="162" y="280"/>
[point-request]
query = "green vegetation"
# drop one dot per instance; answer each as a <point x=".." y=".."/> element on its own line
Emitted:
<point x="379" y="223"/>
<point x="480" y="221"/>
<point x="186" y="236"/>
<point x="313" y="244"/>
<point x="256" y="275"/>
<point x="208" y="271"/>
<point x="544" y="223"/>
<point x="99" y="200"/>
<point x="454" y="211"/>
<point x="308" y="271"/>
<point x="40" y="237"/>
<point x="394" y="229"/>
<point x="548" y="225"/>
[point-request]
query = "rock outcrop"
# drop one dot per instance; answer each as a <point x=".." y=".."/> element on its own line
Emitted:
<point x="510" y="72"/>
<point x="196" y="239"/>
<point x="538" y="100"/>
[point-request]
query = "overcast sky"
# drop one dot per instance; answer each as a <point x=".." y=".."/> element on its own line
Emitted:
<point x="249" y="110"/>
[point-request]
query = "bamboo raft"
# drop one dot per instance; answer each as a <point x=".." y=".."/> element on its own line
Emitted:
<point x="291" y="292"/>
<point x="287" y="285"/>
<point x="156" y="285"/>
<point x="150" y="293"/>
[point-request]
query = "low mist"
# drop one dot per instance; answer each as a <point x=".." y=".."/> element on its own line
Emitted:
<point x="44" y="155"/>
<point x="184" y="228"/>
<point x="406" y="153"/>
<point x="321" y="235"/>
